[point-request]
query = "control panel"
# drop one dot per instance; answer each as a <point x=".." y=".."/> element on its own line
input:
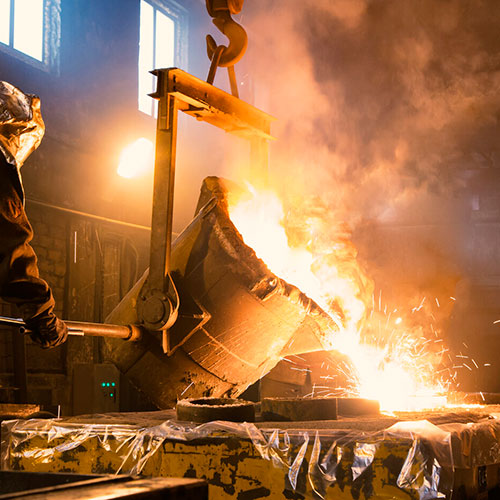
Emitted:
<point x="96" y="388"/>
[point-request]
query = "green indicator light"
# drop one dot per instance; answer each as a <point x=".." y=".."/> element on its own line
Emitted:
<point x="107" y="384"/>
<point x="113" y="384"/>
<point x="103" y="384"/>
<point x="111" y="394"/>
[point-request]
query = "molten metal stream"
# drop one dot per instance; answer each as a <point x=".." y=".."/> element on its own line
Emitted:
<point x="400" y="373"/>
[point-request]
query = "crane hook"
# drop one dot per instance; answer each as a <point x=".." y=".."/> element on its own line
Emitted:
<point x="234" y="6"/>
<point x="221" y="11"/>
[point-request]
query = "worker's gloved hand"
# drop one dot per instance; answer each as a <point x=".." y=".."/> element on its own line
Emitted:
<point x="35" y="304"/>
<point x="47" y="329"/>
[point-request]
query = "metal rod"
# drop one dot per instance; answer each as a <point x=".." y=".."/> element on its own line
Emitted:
<point x="215" y="62"/>
<point x="232" y="81"/>
<point x="126" y="332"/>
<point x="87" y="215"/>
<point x="163" y="193"/>
<point x="80" y="328"/>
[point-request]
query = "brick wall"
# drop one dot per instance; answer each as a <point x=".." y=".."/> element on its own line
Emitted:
<point x="87" y="282"/>
<point x="50" y="245"/>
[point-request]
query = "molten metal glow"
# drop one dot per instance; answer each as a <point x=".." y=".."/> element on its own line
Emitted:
<point x="398" y="368"/>
<point x="136" y="159"/>
<point x="259" y="220"/>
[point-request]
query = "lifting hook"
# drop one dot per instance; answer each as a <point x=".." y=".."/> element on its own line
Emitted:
<point x="221" y="11"/>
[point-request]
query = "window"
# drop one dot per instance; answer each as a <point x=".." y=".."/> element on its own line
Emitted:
<point x="30" y="30"/>
<point x="162" y="44"/>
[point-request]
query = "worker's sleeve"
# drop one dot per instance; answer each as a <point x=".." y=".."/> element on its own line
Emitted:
<point x="19" y="278"/>
<point x="21" y="130"/>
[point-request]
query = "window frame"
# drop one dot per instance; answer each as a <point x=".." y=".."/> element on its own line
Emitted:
<point x="51" y="40"/>
<point x="179" y="15"/>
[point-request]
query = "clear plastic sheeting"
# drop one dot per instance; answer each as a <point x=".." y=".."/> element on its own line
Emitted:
<point x="322" y="471"/>
<point x="416" y="458"/>
<point x="276" y="446"/>
<point x="424" y="477"/>
<point x="422" y="470"/>
<point x="364" y="453"/>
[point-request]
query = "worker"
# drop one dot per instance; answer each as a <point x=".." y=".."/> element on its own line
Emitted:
<point x="21" y="130"/>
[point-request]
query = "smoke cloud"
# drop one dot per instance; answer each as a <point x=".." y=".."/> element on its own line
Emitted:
<point x="379" y="101"/>
<point x="387" y="110"/>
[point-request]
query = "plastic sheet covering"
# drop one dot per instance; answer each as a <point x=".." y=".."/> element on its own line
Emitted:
<point x="428" y="453"/>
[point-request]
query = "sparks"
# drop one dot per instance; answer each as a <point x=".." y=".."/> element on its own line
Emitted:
<point x="396" y="366"/>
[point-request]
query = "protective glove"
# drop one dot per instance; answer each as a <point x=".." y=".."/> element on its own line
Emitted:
<point x="47" y="330"/>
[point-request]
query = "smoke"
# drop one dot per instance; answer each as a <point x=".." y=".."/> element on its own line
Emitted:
<point x="388" y="110"/>
<point x="379" y="102"/>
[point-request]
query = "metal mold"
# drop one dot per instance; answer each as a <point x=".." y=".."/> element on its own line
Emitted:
<point x="209" y="409"/>
<point x="355" y="407"/>
<point x="299" y="409"/>
<point x="305" y="409"/>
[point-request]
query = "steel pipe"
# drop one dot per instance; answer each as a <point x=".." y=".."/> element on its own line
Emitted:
<point x="125" y="332"/>
<point x="80" y="328"/>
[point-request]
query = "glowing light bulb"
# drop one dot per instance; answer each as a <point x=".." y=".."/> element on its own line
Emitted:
<point x="136" y="159"/>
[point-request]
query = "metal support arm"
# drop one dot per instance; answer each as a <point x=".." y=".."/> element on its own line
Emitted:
<point x="158" y="302"/>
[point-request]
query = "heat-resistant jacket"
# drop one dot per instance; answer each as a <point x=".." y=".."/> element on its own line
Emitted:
<point x="21" y="126"/>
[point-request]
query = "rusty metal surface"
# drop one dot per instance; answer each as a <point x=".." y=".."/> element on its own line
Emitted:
<point x="208" y="103"/>
<point x="248" y="317"/>
<point x="456" y="457"/>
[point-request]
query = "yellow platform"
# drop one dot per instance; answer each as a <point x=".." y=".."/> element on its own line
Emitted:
<point x="448" y="454"/>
